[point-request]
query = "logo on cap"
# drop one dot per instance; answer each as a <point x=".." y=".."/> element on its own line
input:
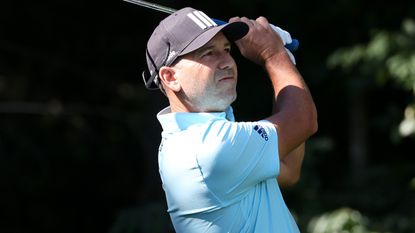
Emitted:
<point x="172" y="54"/>
<point x="201" y="19"/>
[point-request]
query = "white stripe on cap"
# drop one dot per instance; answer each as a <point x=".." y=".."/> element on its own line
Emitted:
<point x="207" y="18"/>
<point x="201" y="19"/>
<point x="197" y="21"/>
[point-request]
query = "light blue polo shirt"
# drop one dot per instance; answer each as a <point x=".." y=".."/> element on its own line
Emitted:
<point x="220" y="175"/>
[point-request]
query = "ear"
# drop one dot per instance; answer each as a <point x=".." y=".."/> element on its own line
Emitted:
<point x="167" y="76"/>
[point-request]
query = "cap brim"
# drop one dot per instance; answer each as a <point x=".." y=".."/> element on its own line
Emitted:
<point x="233" y="31"/>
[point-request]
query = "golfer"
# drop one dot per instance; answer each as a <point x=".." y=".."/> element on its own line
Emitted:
<point x="220" y="175"/>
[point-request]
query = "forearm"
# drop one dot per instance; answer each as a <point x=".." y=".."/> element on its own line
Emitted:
<point x="294" y="112"/>
<point x="290" y="167"/>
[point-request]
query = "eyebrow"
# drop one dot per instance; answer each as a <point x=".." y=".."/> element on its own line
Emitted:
<point x="201" y="50"/>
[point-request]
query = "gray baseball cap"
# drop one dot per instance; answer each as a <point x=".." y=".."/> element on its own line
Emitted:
<point x="184" y="31"/>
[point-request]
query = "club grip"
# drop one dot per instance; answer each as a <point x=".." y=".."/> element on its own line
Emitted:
<point x="293" y="46"/>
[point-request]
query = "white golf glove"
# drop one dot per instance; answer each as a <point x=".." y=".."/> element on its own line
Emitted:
<point x="286" y="39"/>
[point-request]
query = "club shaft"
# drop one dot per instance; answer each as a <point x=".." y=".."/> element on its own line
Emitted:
<point x="292" y="46"/>
<point x="153" y="6"/>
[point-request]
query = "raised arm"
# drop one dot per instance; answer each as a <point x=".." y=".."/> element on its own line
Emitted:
<point x="294" y="113"/>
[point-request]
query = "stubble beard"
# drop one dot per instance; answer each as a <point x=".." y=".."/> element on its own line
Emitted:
<point x="219" y="97"/>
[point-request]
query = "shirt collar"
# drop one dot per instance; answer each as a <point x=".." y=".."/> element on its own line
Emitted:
<point x="177" y="121"/>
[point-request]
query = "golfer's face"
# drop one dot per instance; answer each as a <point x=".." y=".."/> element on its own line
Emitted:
<point x="208" y="76"/>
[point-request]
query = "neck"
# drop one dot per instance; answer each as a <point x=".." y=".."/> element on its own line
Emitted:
<point x="183" y="104"/>
<point x="177" y="105"/>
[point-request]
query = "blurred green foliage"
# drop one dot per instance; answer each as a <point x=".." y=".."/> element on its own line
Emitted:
<point x="388" y="56"/>
<point x="338" y="221"/>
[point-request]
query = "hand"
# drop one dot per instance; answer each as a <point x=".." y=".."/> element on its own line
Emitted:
<point x="261" y="42"/>
<point x="286" y="39"/>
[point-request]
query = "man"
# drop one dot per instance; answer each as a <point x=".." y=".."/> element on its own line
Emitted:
<point x="220" y="175"/>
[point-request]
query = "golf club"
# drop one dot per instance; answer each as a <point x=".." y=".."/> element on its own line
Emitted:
<point x="293" y="46"/>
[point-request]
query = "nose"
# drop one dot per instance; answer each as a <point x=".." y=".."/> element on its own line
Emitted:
<point x="226" y="61"/>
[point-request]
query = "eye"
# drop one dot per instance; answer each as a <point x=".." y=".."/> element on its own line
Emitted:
<point x="207" y="53"/>
<point x="228" y="49"/>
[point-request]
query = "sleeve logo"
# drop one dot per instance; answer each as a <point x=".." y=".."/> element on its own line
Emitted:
<point x="261" y="131"/>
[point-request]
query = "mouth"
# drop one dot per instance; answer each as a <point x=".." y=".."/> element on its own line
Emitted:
<point x="225" y="79"/>
<point x="225" y="75"/>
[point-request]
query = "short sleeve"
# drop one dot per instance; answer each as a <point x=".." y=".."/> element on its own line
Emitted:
<point x="234" y="156"/>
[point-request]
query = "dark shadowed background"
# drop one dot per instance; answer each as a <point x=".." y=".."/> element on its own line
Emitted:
<point x="79" y="137"/>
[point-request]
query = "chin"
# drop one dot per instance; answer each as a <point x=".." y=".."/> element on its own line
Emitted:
<point x="231" y="98"/>
<point x="219" y="103"/>
<point x="224" y="103"/>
